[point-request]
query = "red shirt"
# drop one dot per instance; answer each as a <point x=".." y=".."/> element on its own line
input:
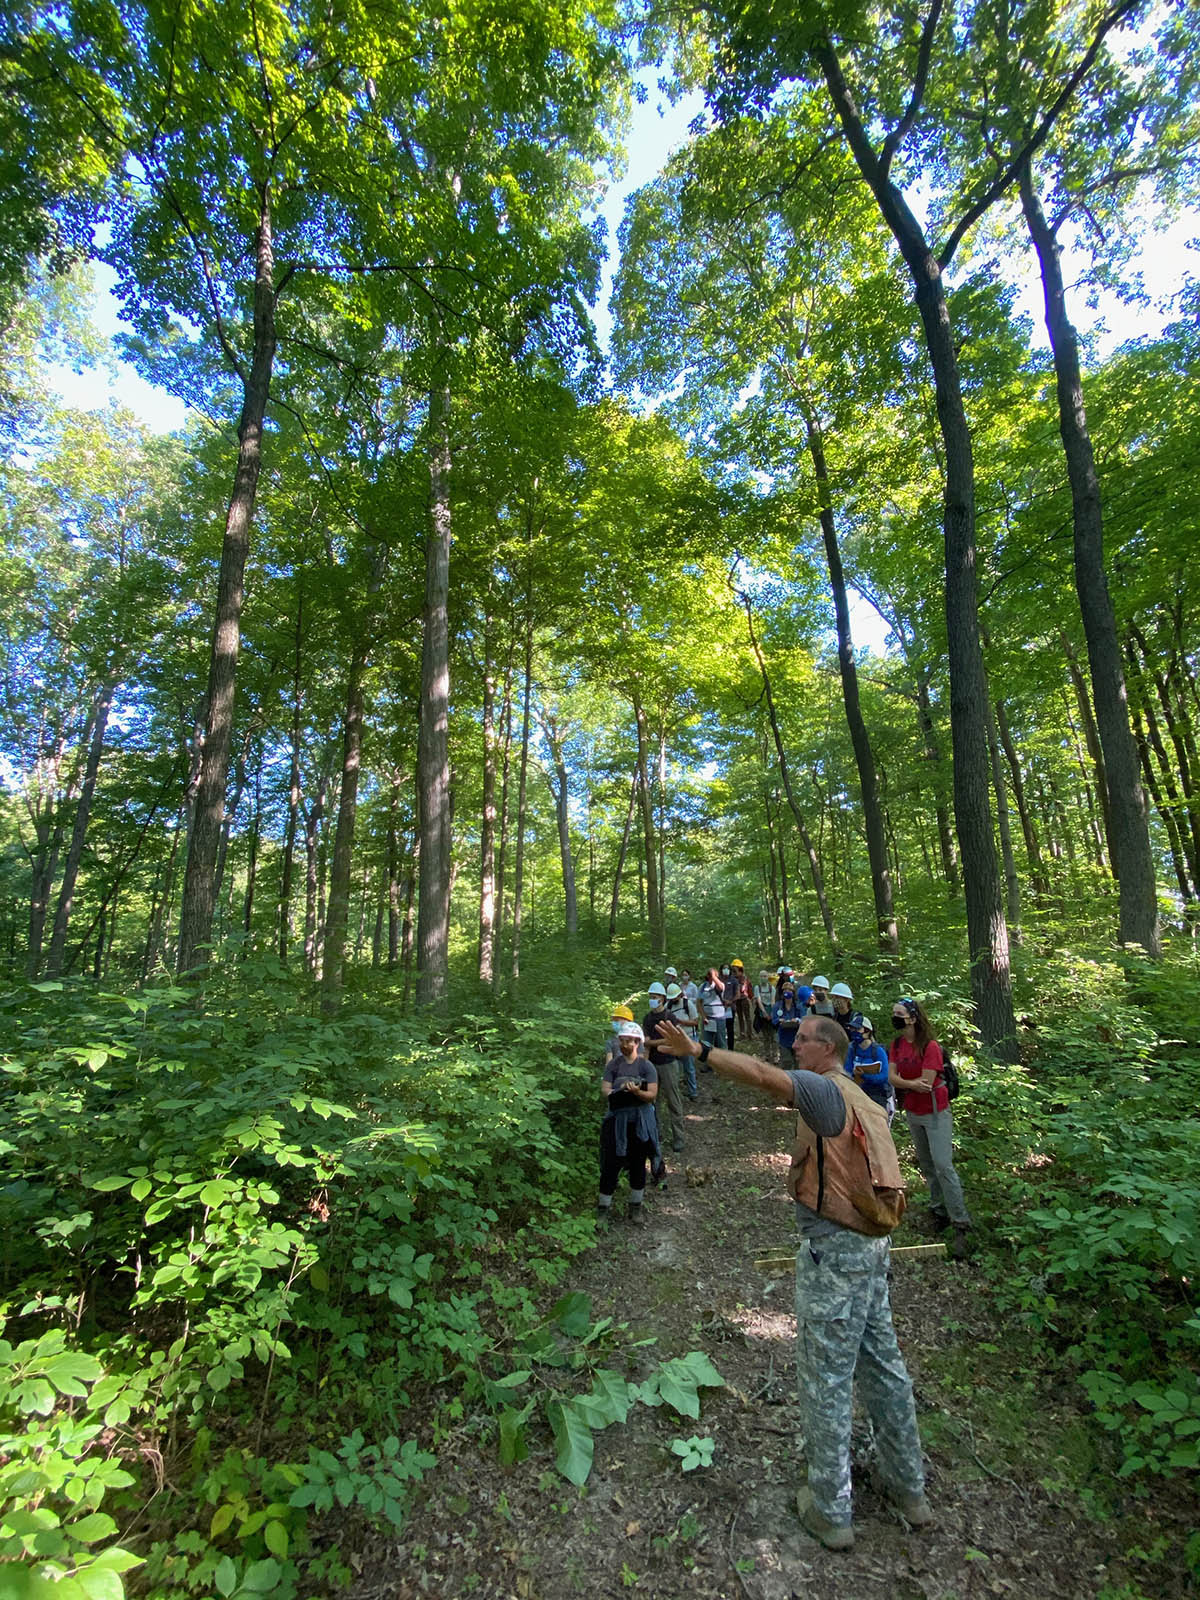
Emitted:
<point x="909" y="1062"/>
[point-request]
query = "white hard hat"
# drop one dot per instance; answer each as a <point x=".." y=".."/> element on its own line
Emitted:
<point x="670" y="973"/>
<point x="630" y="1030"/>
<point x="674" y="992"/>
<point x="842" y="990"/>
<point x="656" y="988"/>
<point x="868" y="1025"/>
<point x="820" y="983"/>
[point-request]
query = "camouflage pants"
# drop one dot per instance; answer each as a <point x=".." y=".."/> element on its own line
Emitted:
<point x="843" y="1331"/>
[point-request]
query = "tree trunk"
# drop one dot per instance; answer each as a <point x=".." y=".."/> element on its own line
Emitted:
<point x="561" y="797"/>
<point x="662" y="831"/>
<point x="933" y="755"/>
<point x="987" y="935"/>
<point x="289" y="843"/>
<point x="1037" y="872"/>
<point x="252" y="861"/>
<point x="1175" y="801"/>
<point x="1129" y="832"/>
<point x="160" y="914"/>
<point x="1012" y="882"/>
<point x="624" y="851"/>
<point x="1166" y="811"/>
<point x="83" y="811"/>
<point x="393" y="874"/>
<point x="522" y="794"/>
<point x="653" y="909"/>
<point x="502" y="851"/>
<point x="487" y="832"/>
<point x="881" y="880"/>
<point x="312" y="843"/>
<point x="1091" y="738"/>
<point x="199" y="889"/>
<point x="433" y="748"/>
<point x="338" y="916"/>
<point x="814" y="862"/>
<point x="406" y="932"/>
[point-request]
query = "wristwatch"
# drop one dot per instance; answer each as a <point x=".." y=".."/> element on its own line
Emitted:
<point x="704" y="1051"/>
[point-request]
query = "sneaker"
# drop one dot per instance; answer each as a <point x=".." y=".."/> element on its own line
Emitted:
<point x="604" y="1216"/>
<point x="677" y="1145"/>
<point x="637" y="1215"/>
<point x="914" y="1508"/>
<point x="830" y="1534"/>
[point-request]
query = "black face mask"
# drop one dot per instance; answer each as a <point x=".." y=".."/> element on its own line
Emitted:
<point x="899" y="1023"/>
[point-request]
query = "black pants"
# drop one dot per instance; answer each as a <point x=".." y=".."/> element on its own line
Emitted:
<point x="633" y="1162"/>
<point x="729" y="1027"/>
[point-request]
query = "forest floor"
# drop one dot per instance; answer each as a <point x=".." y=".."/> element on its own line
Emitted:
<point x="1024" y="1506"/>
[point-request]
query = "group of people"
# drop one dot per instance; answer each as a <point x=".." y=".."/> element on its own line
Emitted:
<point x="822" y="1058"/>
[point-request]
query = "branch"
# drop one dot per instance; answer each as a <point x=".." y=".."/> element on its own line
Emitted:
<point x="1038" y="138"/>
<point x="900" y="132"/>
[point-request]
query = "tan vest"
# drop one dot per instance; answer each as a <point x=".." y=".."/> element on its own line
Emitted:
<point x="857" y="1182"/>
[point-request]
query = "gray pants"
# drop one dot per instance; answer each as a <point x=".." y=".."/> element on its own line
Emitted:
<point x="670" y="1105"/>
<point x="844" y="1332"/>
<point x="933" y="1147"/>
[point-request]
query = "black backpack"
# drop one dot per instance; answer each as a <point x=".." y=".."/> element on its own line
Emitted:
<point x="950" y="1076"/>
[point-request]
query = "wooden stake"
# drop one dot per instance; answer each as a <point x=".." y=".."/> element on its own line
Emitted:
<point x="780" y="1262"/>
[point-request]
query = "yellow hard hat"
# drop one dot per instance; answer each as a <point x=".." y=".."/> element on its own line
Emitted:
<point x="622" y="1014"/>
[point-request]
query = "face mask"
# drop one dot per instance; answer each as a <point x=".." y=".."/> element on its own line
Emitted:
<point x="899" y="1023"/>
<point x="656" y="1002"/>
<point x="724" y="972"/>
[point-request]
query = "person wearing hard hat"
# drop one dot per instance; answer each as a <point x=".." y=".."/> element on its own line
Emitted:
<point x="668" y="1078"/>
<point x="867" y="1063"/>
<point x="745" y="992"/>
<point x="629" y="1133"/>
<point x="844" y="1013"/>
<point x="684" y="1013"/>
<point x="612" y="1049"/>
<point x="820" y="1005"/>
<point x="669" y="1106"/>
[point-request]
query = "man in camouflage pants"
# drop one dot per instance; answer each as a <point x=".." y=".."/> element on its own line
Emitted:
<point x="843" y="1315"/>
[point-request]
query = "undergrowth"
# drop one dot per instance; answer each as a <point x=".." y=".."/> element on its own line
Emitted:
<point x="241" y="1248"/>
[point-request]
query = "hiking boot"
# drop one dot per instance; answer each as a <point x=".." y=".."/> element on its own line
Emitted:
<point x="940" y="1219"/>
<point x="637" y="1215"/>
<point x="959" y="1248"/>
<point x="830" y="1534"/>
<point x="677" y="1144"/>
<point x="914" y="1508"/>
<point x="604" y="1216"/>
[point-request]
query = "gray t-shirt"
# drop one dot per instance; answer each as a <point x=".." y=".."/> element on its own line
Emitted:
<point x="818" y="1100"/>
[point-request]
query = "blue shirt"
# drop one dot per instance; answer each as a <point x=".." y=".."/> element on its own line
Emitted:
<point x="873" y="1059"/>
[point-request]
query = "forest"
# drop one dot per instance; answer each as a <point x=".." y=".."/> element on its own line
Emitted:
<point x="463" y="662"/>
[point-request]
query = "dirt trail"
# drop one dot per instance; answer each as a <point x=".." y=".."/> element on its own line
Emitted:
<point x="1006" y="1524"/>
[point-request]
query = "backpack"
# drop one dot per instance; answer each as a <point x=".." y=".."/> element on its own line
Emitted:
<point x="950" y="1076"/>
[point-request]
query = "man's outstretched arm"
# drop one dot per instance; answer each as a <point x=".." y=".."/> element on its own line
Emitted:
<point x="730" y="1064"/>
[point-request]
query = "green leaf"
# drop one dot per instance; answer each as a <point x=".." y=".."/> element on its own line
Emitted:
<point x="573" y="1313"/>
<point x="275" y="1538"/>
<point x="100" y="1583"/>
<point x="117" y="1560"/>
<point x="262" y="1577"/>
<point x="88" y="1529"/>
<point x="225" y="1577"/>
<point x="140" y="1189"/>
<point x="108" y="1183"/>
<point x="221" y="1518"/>
<point x="573" y="1438"/>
